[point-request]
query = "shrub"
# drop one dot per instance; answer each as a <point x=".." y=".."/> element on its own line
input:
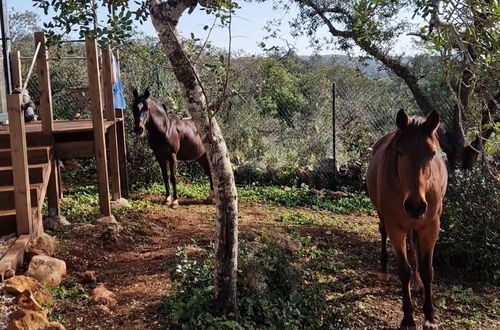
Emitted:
<point x="272" y="292"/>
<point x="470" y="235"/>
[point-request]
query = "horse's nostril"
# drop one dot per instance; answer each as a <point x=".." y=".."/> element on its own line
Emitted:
<point x="415" y="209"/>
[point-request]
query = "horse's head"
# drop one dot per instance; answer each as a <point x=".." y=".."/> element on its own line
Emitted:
<point x="416" y="144"/>
<point x="140" y="108"/>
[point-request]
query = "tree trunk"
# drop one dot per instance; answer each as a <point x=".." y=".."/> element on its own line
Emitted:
<point x="165" y="16"/>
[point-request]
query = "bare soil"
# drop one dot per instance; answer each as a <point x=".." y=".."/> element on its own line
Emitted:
<point x="138" y="264"/>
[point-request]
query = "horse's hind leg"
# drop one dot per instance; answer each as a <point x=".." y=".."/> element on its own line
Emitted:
<point x="164" y="173"/>
<point x="173" y="177"/>
<point x="203" y="161"/>
<point x="383" y="252"/>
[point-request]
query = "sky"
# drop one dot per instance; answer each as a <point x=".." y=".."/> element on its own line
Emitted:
<point x="248" y="29"/>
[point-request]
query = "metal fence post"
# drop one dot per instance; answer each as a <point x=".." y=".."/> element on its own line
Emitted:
<point x="334" y="133"/>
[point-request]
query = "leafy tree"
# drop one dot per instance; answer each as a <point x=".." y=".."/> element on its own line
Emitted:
<point x="165" y="15"/>
<point x="465" y="33"/>
<point x="22" y="25"/>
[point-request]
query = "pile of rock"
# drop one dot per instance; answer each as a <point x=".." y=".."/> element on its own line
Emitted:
<point x="31" y="299"/>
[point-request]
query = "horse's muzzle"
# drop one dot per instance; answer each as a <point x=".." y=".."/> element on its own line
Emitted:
<point x="415" y="210"/>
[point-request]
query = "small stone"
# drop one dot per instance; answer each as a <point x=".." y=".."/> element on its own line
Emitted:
<point x="18" y="284"/>
<point x="88" y="277"/>
<point x="121" y="202"/>
<point x="337" y="194"/>
<point x="42" y="245"/>
<point x="54" y="326"/>
<point x="103" y="309"/>
<point x="103" y="296"/>
<point x="23" y="319"/>
<point x="54" y="222"/>
<point x="107" y="221"/>
<point x="47" y="270"/>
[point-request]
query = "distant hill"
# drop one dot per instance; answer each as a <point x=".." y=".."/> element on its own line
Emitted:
<point x="367" y="66"/>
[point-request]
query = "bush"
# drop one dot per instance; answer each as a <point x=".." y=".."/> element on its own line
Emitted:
<point x="470" y="235"/>
<point x="272" y="292"/>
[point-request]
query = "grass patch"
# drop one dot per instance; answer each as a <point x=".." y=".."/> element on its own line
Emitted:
<point x="286" y="196"/>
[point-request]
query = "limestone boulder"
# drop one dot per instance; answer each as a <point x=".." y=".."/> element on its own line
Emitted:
<point x="23" y="319"/>
<point x="47" y="270"/>
<point x="18" y="284"/>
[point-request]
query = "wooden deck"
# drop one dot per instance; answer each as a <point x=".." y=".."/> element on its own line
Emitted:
<point x="60" y="127"/>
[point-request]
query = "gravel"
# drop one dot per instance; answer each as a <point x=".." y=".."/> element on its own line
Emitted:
<point x="7" y="306"/>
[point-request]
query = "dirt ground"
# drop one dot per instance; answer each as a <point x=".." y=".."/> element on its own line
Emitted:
<point x="137" y="268"/>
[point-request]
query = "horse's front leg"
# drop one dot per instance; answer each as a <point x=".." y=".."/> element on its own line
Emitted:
<point x="173" y="178"/>
<point x="426" y="242"/>
<point x="164" y="173"/>
<point x="398" y="240"/>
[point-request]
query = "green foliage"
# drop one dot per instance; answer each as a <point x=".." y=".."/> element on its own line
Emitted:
<point x="303" y="196"/>
<point x="272" y="292"/>
<point x="470" y="239"/>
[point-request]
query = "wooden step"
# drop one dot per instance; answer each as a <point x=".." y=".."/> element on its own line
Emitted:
<point x="36" y="174"/>
<point x="7" y="196"/>
<point x="36" y="155"/>
<point x="8" y="220"/>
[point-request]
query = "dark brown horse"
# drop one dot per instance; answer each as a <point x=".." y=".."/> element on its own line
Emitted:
<point x="406" y="181"/>
<point x="171" y="139"/>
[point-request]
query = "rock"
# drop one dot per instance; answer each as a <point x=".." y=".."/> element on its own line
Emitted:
<point x="57" y="221"/>
<point x="23" y="319"/>
<point x="18" y="284"/>
<point x="337" y="194"/>
<point x="110" y="237"/>
<point x="54" y="326"/>
<point x="192" y="249"/>
<point x="42" y="245"/>
<point x="88" y="277"/>
<point x="103" y="309"/>
<point x="107" y="221"/>
<point x="26" y="301"/>
<point x="103" y="296"/>
<point x="47" y="270"/>
<point x="120" y="202"/>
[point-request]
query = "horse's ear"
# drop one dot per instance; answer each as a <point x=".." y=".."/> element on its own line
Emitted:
<point x="146" y="92"/>
<point x="431" y="122"/>
<point x="402" y="119"/>
<point x="135" y="93"/>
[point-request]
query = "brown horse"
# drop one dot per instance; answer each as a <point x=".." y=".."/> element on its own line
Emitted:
<point x="171" y="139"/>
<point x="406" y="181"/>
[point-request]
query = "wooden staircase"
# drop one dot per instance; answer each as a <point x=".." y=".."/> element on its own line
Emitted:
<point x="39" y="169"/>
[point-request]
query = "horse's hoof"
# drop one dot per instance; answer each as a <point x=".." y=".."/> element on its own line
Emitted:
<point x="429" y="325"/>
<point x="408" y="324"/>
<point x="175" y="204"/>
<point x="168" y="201"/>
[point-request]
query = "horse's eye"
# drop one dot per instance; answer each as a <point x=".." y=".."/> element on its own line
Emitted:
<point x="433" y="153"/>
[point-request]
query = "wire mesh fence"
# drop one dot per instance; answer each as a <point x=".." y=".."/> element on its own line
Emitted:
<point x="282" y="125"/>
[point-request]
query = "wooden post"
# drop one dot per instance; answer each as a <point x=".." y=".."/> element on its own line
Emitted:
<point x="15" y="67"/>
<point x="109" y="110"/>
<point x="20" y="172"/>
<point x="42" y="63"/>
<point x="46" y="114"/>
<point x="98" y="124"/>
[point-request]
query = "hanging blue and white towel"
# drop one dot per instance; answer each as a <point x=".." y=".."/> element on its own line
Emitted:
<point x="118" y="98"/>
